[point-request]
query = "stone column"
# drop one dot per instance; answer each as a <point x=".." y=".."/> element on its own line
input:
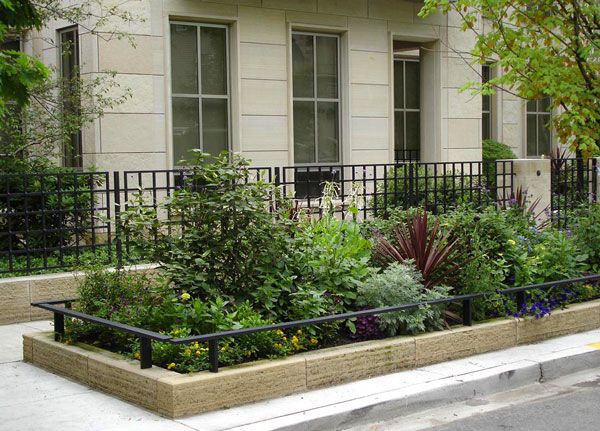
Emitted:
<point x="533" y="176"/>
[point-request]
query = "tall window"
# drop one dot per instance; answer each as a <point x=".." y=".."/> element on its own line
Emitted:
<point x="539" y="139"/>
<point x="69" y="72"/>
<point x="316" y="83"/>
<point x="200" y="88"/>
<point x="407" y="109"/>
<point x="486" y="105"/>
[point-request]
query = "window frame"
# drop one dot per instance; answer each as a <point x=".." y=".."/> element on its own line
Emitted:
<point x="200" y="96"/>
<point x="316" y="99"/>
<point x="405" y="110"/>
<point x="490" y="109"/>
<point x="538" y="114"/>
<point x="77" y="156"/>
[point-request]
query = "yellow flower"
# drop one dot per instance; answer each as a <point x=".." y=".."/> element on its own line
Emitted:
<point x="299" y="332"/>
<point x="284" y="338"/>
<point x="171" y="366"/>
<point x="197" y="353"/>
<point x="137" y="355"/>
<point x="294" y="339"/>
<point x="185" y="296"/>
<point x="313" y="341"/>
<point x="511" y="242"/>
<point x="187" y="352"/>
<point x="279" y="332"/>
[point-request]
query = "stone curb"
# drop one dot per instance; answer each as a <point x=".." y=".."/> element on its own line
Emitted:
<point x="412" y="399"/>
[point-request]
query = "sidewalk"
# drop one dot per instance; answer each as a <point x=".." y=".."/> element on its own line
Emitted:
<point x="33" y="399"/>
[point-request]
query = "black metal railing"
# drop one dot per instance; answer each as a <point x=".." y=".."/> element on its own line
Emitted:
<point x="404" y="155"/>
<point x="50" y="221"/>
<point x="146" y="337"/>
<point x="574" y="182"/>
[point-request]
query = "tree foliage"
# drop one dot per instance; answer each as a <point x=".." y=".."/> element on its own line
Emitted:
<point x="543" y="48"/>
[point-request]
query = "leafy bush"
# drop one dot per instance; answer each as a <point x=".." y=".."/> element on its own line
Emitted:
<point x="434" y="253"/>
<point x="494" y="150"/>
<point x="402" y="284"/>
<point x="586" y="233"/>
<point x="416" y="185"/>
<point x="226" y="241"/>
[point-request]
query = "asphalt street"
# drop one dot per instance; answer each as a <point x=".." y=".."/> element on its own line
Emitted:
<point x="578" y="410"/>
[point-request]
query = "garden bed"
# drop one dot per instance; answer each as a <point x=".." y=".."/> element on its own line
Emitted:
<point x="175" y="395"/>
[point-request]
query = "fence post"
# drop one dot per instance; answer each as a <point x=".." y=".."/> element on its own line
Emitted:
<point x="533" y="176"/>
<point x="117" y="201"/>
<point x="596" y="179"/>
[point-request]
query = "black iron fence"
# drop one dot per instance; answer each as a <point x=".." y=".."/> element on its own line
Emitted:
<point x="146" y="337"/>
<point x="58" y="220"/>
<point x="574" y="183"/>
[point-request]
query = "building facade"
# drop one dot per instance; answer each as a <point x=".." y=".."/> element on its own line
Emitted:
<point x="289" y="82"/>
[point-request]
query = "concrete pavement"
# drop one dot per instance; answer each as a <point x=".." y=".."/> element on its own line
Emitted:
<point x="32" y="399"/>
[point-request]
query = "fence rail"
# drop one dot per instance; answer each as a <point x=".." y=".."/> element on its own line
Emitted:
<point x="146" y="337"/>
<point x="58" y="220"/>
<point x="573" y="184"/>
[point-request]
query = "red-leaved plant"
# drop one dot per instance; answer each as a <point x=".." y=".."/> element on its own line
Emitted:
<point x="435" y="255"/>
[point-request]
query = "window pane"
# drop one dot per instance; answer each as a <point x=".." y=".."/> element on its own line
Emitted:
<point x="399" y="130"/>
<point x="398" y="84"/>
<point x="485" y="73"/>
<point x="303" y="65"/>
<point x="304" y="132"/>
<point x="413" y="130"/>
<point x="328" y="132"/>
<point x="185" y="127"/>
<point x="544" y="104"/>
<point x="543" y="135"/>
<point x="214" y="125"/>
<point x="69" y="54"/>
<point x="184" y="59"/>
<point x="485" y="126"/>
<point x="412" y="85"/>
<point x="485" y="102"/>
<point x="531" y="135"/>
<point x="531" y="106"/>
<point x="213" y="60"/>
<point x="327" y="67"/>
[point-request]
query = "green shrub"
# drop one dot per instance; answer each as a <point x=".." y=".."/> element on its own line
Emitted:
<point x="493" y="150"/>
<point x="415" y="185"/>
<point x="402" y="284"/>
<point x="586" y="233"/>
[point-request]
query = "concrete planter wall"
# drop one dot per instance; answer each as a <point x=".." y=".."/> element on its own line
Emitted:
<point x="17" y="293"/>
<point x="176" y="395"/>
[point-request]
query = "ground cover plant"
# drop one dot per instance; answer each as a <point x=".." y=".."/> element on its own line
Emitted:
<point x="237" y="259"/>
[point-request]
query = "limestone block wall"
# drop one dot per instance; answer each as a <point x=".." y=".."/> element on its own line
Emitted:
<point x="137" y="134"/>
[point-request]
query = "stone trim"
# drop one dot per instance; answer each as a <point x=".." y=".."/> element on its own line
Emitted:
<point x="177" y="395"/>
<point x="17" y="293"/>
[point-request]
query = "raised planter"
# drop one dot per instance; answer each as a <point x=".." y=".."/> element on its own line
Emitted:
<point x="176" y="395"/>
<point x="17" y="293"/>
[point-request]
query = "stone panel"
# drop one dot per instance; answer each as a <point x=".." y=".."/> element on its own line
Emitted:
<point x="263" y="61"/>
<point x="133" y="133"/>
<point x="310" y="19"/>
<point x="125" y="379"/>
<point x="264" y="97"/>
<point x="464" y="341"/>
<point x="358" y="361"/>
<point x="463" y="104"/>
<point x="301" y="5"/>
<point x="343" y="7"/>
<point x="368" y="35"/>
<point x="69" y="361"/>
<point x="264" y="132"/>
<point x="370" y="133"/>
<point x="262" y="25"/>
<point x="144" y="57"/>
<point x="187" y="7"/>
<point x="577" y="318"/>
<point x="369" y="67"/>
<point x="51" y="287"/>
<point x="232" y="386"/>
<point x="14" y="302"/>
<point x="394" y="10"/>
<point x="464" y="133"/>
<point x="370" y="100"/>
<point x="147" y="94"/>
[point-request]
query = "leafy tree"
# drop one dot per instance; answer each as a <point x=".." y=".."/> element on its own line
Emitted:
<point x="544" y="48"/>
